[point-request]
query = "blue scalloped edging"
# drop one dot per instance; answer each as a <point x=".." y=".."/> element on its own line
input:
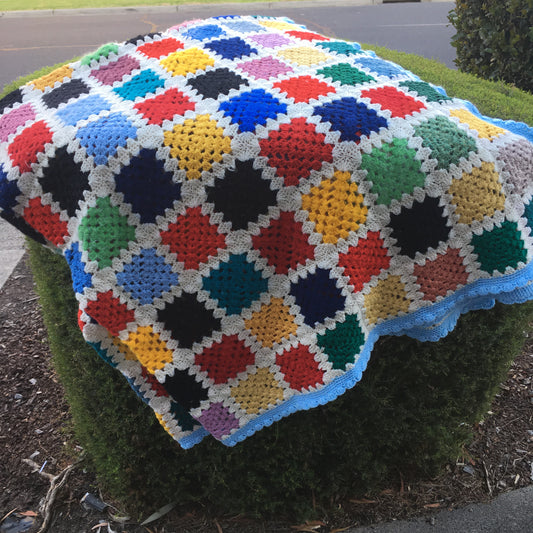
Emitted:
<point x="426" y="324"/>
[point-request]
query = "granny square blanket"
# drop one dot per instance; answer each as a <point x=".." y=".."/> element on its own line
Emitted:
<point x="246" y="206"/>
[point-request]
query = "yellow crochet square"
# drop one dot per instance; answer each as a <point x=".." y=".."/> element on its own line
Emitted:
<point x="49" y="80"/>
<point x="304" y="55"/>
<point x="123" y="349"/>
<point x="197" y="143"/>
<point x="335" y="207"/>
<point x="187" y="61"/>
<point x="150" y="349"/>
<point x="272" y="323"/>
<point x="386" y="300"/>
<point x="484" y="129"/>
<point x="258" y="391"/>
<point x="279" y="25"/>
<point x="477" y="194"/>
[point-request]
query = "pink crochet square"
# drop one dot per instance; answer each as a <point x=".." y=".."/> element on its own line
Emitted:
<point x="264" y="68"/>
<point x="18" y="117"/>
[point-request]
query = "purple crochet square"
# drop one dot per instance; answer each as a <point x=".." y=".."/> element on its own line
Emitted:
<point x="218" y="420"/>
<point x="112" y="72"/>
<point x="264" y="68"/>
<point x="270" y="40"/>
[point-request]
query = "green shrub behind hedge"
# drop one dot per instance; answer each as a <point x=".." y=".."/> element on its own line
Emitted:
<point x="494" y="39"/>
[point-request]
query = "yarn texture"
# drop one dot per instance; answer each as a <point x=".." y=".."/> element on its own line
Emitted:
<point x="246" y="206"/>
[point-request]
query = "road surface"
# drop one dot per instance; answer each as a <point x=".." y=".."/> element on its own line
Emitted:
<point x="30" y="41"/>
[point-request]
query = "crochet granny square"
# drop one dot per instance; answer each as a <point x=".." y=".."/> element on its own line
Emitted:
<point x="246" y="206"/>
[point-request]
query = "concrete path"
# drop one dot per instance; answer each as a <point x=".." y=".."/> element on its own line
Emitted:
<point x="11" y="250"/>
<point x="511" y="512"/>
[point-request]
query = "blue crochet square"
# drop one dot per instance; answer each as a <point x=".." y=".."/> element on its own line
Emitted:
<point x="231" y="48"/>
<point x="9" y="190"/>
<point x="244" y="26"/>
<point x="147" y="186"/>
<point x="102" y="137"/>
<point x="252" y="109"/>
<point x="80" y="278"/>
<point x="144" y="83"/>
<point x="381" y="67"/>
<point x="208" y="31"/>
<point x="318" y="297"/>
<point x="147" y="277"/>
<point x="82" y="109"/>
<point x="351" y="118"/>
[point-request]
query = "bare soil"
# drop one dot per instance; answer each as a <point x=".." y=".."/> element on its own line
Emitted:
<point x="35" y="426"/>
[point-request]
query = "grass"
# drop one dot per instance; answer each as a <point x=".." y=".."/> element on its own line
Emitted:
<point x="15" y="5"/>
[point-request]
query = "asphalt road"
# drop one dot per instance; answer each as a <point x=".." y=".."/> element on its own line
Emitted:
<point x="32" y="40"/>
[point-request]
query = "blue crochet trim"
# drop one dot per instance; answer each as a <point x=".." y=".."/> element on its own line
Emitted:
<point x="424" y="324"/>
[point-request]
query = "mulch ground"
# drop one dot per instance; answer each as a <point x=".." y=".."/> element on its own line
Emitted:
<point x="36" y="435"/>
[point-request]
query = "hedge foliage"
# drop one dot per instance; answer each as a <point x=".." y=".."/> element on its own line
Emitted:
<point x="411" y="413"/>
<point x="494" y="39"/>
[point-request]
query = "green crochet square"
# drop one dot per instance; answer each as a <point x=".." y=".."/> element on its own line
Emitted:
<point x="346" y="74"/>
<point x="103" y="51"/>
<point x="342" y="344"/>
<point x="448" y="143"/>
<point x="104" y="232"/>
<point x="500" y="248"/>
<point x="393" y="170"/>
<point x="425" y="89"/>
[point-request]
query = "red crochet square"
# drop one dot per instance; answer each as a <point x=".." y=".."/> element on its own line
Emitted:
<point x="109" y="312"/>
<point x="397" y="102"/>
<point x="307" y="35"/>
<point x="443" y="274"/>
<point x="296" y="149"/>
<point x="165" y="106"/>
<point x="193" y="238"/>
<point x="30" y="142"/>
<point x="299" y="368"/>
<point x="368" y="258"/>
<point x="303" y="88"/>
<point x="46" y="222"/>
<point x="283" y="244"/>
<point x="161" y="48"/>
<point x="225" y="359"/>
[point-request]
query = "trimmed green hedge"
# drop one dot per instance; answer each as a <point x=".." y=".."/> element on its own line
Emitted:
<point x="494" y="39"/>
<point x="410" y="414"/>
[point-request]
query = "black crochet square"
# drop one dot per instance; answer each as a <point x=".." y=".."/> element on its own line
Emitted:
<point x="66" y="91"/>
<point x="215" y="82"/>
<point x="185" y="390"/>
<point x="8" y="100"/>
<point x="242" y="195"/>
<point x="420" y="227"/>
<point x="188" y="320"/>
<point x="64" y="180"/>
<point x="135" y="40"/>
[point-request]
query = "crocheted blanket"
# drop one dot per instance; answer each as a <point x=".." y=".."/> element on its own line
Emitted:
<point x="246" y="206"/>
